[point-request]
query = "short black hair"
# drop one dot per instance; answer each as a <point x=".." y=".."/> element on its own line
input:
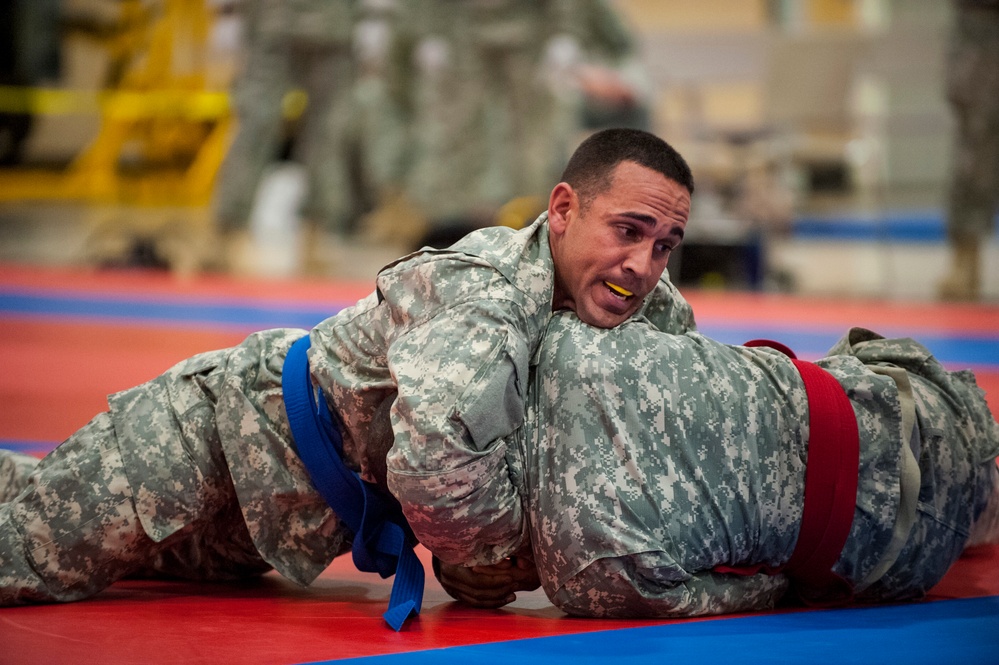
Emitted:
<point x="591" y="165"/>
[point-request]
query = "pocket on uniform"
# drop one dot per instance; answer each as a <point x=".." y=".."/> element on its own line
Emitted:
<point x="492" y="405"/>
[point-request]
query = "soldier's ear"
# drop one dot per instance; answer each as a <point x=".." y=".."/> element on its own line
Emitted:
<point x="562" y="206"/>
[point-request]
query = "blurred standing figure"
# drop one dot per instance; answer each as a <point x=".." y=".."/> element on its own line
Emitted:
<point x="291" y="44"/>
<point x="382" y="49"/>
<point x="485" y="108"/>
<point x="30" y="46"/>
<point x="973" y="90"/>
<point x="615" y="85"/>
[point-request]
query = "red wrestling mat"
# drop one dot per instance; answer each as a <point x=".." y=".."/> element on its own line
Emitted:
<point x="273" y="622"/>
<point x="147" y="284"/>
<point x="266" y="621"/>
<point x="59" y="361"/>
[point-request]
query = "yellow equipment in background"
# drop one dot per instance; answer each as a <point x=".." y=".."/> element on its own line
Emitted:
<point x="162" y="134"/>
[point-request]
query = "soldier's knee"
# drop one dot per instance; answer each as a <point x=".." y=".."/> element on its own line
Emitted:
<point x="20" y="582"/>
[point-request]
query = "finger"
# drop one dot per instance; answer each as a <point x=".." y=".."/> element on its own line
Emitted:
<point x="479" y="597"/>
<point x="467" y="579"/>
<point x="480" y="602"/>
<point x="491" y="575"/>
<point x="478" y="589"/>
<point x="525" y="576"/>
<point x="526" y="584"/>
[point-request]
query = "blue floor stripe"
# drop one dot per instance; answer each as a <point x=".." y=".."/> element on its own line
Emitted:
<point x="953" y="631"/>
<point x="963" y="350"/>
<point x="951" y="349"/>
<point x="20" y="446"/>
<point x="904" y="226"/>
<point x="255" y="316"/>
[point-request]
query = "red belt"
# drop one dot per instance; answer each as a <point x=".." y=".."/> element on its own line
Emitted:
<point x="831" y="476"/>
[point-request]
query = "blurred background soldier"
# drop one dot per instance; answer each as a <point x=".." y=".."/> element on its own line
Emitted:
<point x="30" y="44"/>
<point x="484" y="106"/>
<point x="615" y="86"/>
<point x="973" y="91"/>
<point x="384" y="38"/>
<point x="382" y="54"/>
<point x="302" y="45"/>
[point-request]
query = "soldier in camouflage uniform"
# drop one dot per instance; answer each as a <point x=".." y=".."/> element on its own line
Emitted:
<point x="615" y="86"/>
<point x="292" y="44"/>
<point x="486" y="112"/>
<point x="195" y="473"/>
<point x="973" y="91"/>
<point x="382" y="48"/>
<point x="652" y="459"/>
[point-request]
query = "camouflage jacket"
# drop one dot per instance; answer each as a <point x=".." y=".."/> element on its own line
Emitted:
<point x="443" y="347"/>
<point x="430" y="369"/>
<point x="651" y="459"/>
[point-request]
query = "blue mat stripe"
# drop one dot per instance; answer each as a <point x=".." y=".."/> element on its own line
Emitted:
<point x="20" y="446"/>
<point x="254" y="316"/>
<point x="908" y="226"/>
<point x="954" y="631"/>
<point x="952" y="349"/>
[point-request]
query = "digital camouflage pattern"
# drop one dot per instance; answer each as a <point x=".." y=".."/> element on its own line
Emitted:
<point x="194" y="473"/>
<point x="444" y="346"/>
<point x="14" y="471"/>
<point x="650" y="459"/>
<point x="147" y="487"/>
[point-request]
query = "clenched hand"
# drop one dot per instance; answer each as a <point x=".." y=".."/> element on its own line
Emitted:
<point x="488" y="587"/>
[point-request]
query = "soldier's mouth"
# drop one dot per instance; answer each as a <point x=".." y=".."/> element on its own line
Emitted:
<point x="619" y="291"/>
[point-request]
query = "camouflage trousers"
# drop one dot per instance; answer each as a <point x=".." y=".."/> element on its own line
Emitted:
<point x="955" y="443"/>
<point x="192" y="474"/>
<point x="72" y="529"/>
<point x="323" y="144"/>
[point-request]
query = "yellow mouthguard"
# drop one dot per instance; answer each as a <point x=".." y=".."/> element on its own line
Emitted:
<point x="624" y="292"/>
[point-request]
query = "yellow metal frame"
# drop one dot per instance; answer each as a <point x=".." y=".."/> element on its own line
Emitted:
<point x="163" y="136"/>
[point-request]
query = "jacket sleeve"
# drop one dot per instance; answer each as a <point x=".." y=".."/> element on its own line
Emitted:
<point x="460" y="378"/>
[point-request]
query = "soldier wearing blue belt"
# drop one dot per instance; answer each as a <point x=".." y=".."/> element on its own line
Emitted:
<point x="197" y="473"/>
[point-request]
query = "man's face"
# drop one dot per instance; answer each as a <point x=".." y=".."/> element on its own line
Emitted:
<point x="611" y="254"/>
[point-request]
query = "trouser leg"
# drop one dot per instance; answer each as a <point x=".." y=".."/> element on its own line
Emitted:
<point x="216" y="549"/>
<point x="74" y="530"/>
<point x="258" y="95"/>
<point x="958" y="443"/>
<point x="985" y="530"/>
<point x="325" y="146"/>
<point x="973" y="200"/>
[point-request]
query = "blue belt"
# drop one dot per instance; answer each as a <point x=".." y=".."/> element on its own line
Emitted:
<point x="383" y="541"/>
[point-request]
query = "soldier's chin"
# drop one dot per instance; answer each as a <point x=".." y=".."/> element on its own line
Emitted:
<point x="599" y="317"/>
